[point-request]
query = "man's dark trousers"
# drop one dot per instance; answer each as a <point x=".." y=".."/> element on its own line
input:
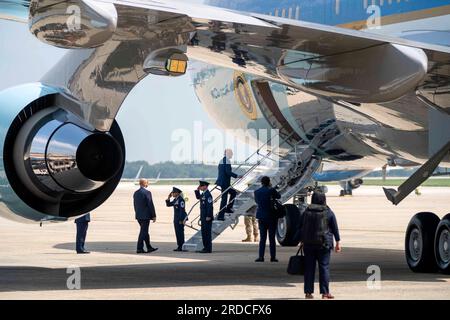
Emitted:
<point x="265" y="227"/>
<point x="206" y="235"/>
<point x="179" y="233"/>
<point x="225" y="204"/>
<point x="143" y="235"/>
<point x="82" y="228"/>
<point x="322" y="256"/>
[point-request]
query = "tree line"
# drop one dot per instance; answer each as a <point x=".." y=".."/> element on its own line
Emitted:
<point x="168" y="170"/>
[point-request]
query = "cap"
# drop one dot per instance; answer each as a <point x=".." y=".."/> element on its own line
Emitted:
<point x="203" y="183"/>
<point x="176" y="190"/>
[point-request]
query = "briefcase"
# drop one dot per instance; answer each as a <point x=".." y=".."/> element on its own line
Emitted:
<point x="296" y="264"/>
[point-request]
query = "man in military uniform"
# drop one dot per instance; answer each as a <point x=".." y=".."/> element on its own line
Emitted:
<point x="251" y="228"/>
<point x="206" y="215"/>
<point x="82" y="227"/>
<point x="175" y="200"/>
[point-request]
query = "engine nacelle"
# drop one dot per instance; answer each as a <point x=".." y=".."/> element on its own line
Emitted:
<point x="54" y="165"/>
<point x="373" y="75"/>
<point x="74" y="23"/>
<point x="356" y="183"/>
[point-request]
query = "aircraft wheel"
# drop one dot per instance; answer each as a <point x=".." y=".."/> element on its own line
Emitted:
<point x="442" y="245"/>
<point x="419" y="242"/>
<point x="287" y="226"/>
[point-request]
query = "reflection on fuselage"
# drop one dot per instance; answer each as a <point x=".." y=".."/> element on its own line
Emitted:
<point x="370" y="135"/>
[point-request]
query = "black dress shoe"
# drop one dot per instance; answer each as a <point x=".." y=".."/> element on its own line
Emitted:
<point x="83" y="252"/>
<point x="141" y="251"/>
<point x="204" y="251"/>
<point x="152" y="250"/>
<point x="259" y="260"/>
<point x="178" y="249"/>
<point x="274" y="260"/>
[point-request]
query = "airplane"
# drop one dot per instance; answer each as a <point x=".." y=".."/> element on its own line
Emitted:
<point x="349" y="179"/>
<point x="135" y="180"/>
<point x="349" y="82"/>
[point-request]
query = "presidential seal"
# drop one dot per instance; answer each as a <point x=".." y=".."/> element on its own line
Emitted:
<point x="244" y="97"/>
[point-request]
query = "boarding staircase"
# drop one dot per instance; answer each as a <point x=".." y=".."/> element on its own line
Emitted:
<point x="289" y="168"/>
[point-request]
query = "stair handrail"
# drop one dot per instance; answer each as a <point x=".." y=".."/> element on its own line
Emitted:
<point x="255" y="165"/>
<point x="240" y="165"/>
<point x="237" y="181"/>
<point x="314" y="143"/>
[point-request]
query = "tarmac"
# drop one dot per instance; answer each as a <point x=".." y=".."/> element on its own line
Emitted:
<point x="36" y="262"/>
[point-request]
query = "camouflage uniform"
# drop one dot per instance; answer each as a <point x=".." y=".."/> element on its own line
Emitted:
<point x="251" y="227"/>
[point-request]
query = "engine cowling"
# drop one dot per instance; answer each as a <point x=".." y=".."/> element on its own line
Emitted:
<point x="74" y="23"/>
<point x="356" y="183"/>
<point x="54" y="165"/>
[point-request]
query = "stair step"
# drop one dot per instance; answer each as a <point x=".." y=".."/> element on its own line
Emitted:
<point x="244" y="202"/>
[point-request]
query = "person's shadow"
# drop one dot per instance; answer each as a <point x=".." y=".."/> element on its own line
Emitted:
<point x="230" y="264"/>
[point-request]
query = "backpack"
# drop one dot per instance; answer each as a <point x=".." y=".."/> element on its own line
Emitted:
<point x="315" y="225"/>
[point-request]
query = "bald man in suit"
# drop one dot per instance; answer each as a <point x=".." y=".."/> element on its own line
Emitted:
<point x="145" y="212"/>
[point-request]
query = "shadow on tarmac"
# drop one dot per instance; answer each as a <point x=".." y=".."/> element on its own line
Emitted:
<point x="231" y="264"/>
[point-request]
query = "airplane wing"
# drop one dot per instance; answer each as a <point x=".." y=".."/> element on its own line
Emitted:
<point x="259" y="29"/>
<point x="323" y="60"/>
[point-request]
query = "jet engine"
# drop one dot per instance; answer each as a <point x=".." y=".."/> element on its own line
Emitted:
<point x="356" y="183"/>
<point x="72" y="24"/>
<point x="349" y="185"/>
<point x="54" y="165"/>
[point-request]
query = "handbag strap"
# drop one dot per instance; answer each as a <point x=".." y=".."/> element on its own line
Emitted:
<point x="300" y="250"/>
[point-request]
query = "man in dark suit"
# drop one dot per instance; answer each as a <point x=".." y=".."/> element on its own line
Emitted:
<point x="267" y="220"/>
<point x="82" y="227"/>
<point x="206" y="215"/>
<point x="176" y="200"/>
<point x="225" y="174"/>
<point x="145" y="211"/>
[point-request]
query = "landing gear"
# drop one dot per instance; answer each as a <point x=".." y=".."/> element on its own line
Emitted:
<point x="349" y="186"/>
<point x="442" y="245"/>
<point x="344" y="193"/>
<point x="287" y="226"/>
<point x="419" y="242"/>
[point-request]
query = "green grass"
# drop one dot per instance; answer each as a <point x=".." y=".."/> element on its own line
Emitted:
<point x="396" y="182"/>
<point x="175" y="182"/>
<point x="433" y="182"/>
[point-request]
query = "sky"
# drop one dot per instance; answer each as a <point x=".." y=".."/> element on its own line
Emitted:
<point x="149" y="114"/>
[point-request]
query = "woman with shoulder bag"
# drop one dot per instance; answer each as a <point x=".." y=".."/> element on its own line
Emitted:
<point x="318" y="227"/>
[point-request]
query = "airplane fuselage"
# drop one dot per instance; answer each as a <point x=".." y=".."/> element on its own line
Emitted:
<point x="92" y="83"/>
<point x="405" y="132"/>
